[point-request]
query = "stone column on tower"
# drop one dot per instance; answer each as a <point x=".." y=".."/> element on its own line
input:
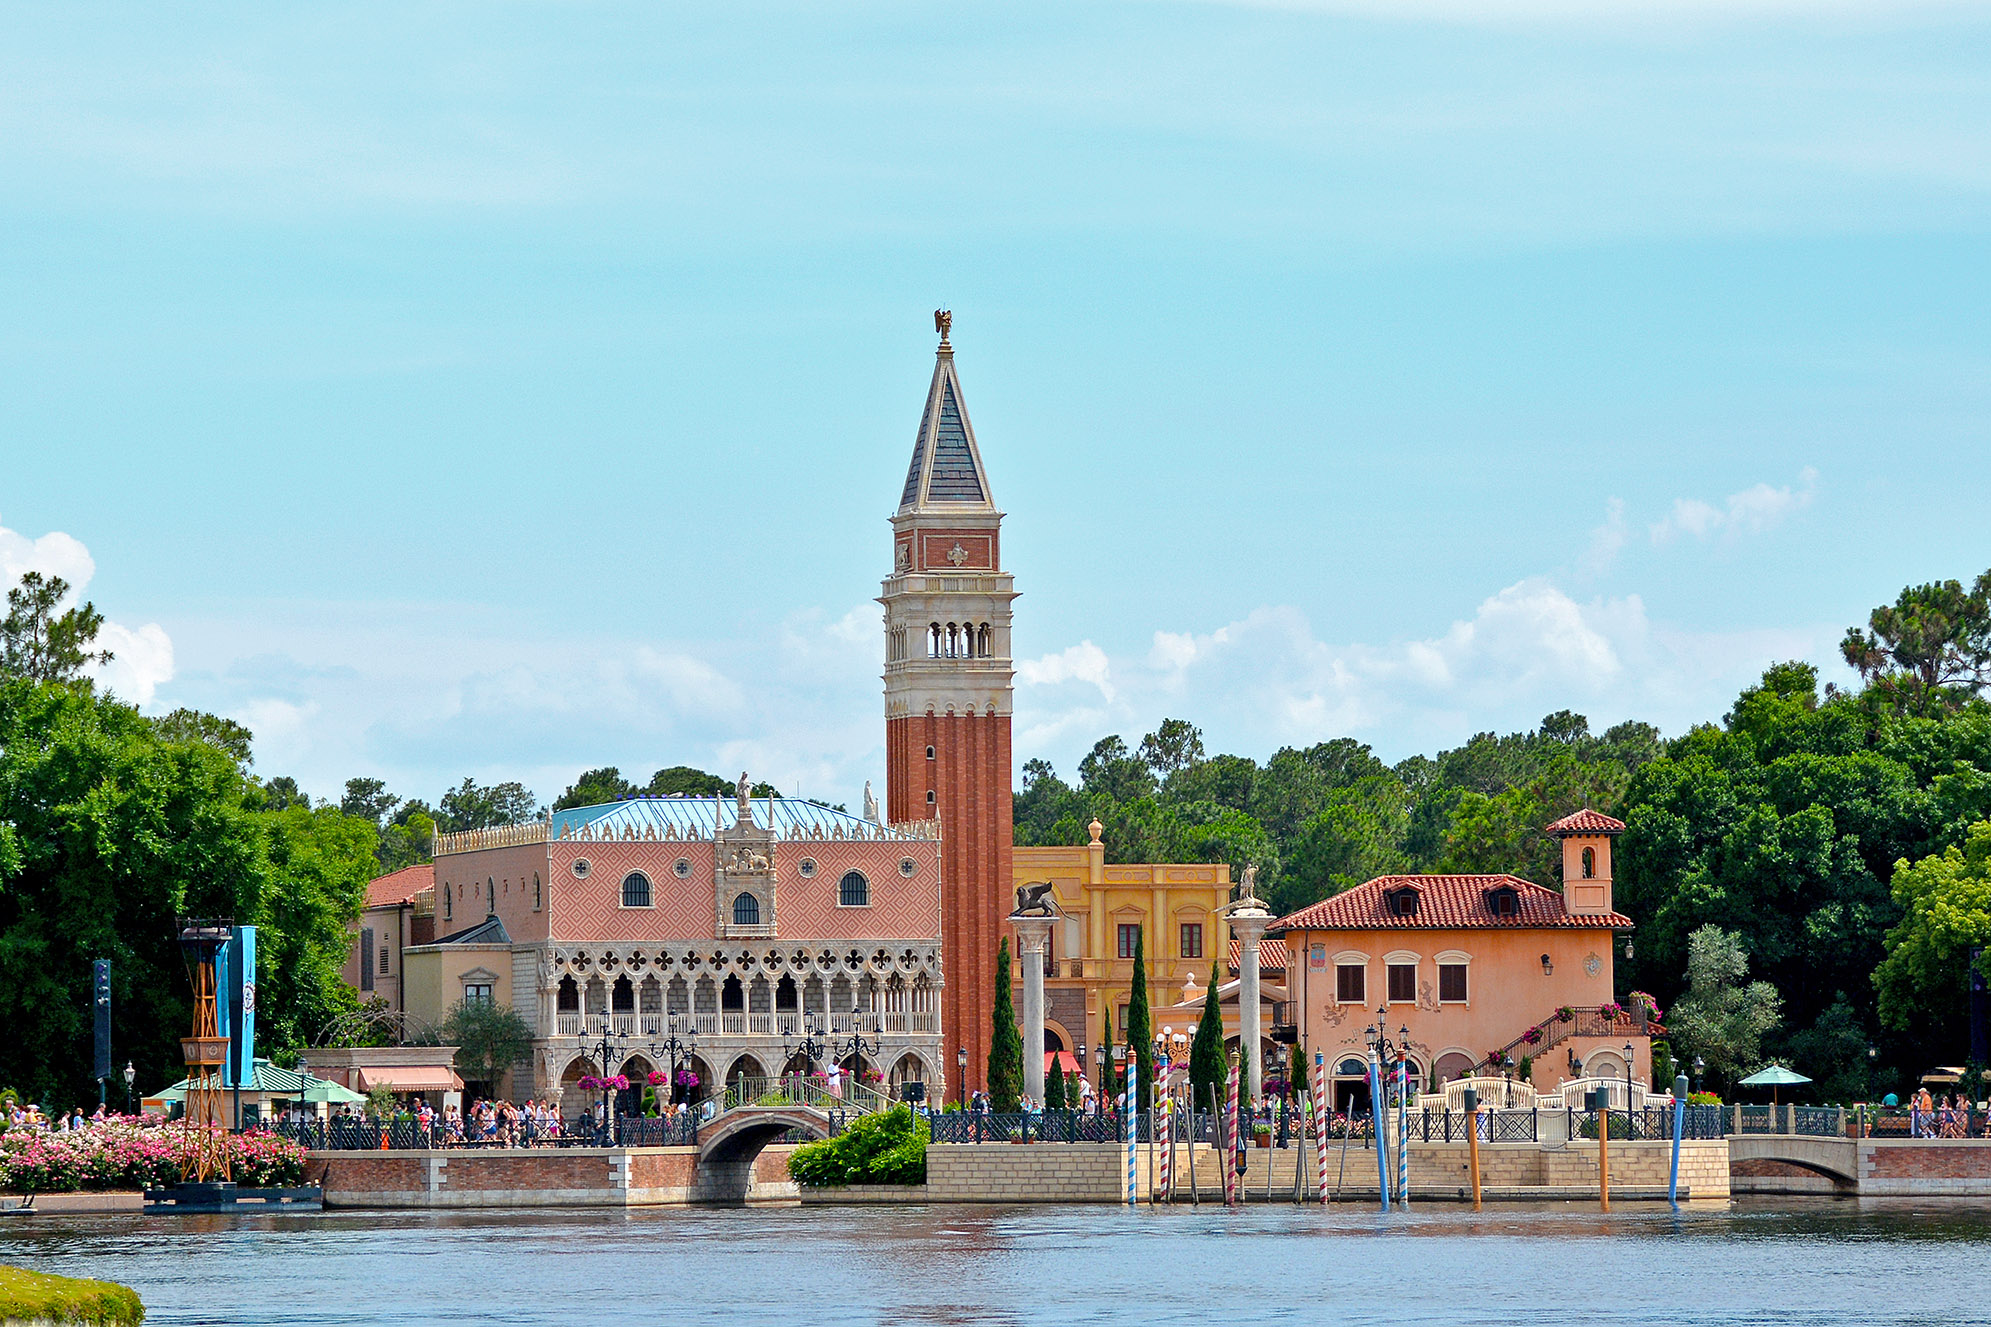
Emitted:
<point x="949" y="688"/>
<point x="1032" y="934"/>
<point x="1248" y="919"/>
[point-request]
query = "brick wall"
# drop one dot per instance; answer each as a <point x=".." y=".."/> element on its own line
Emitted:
<point x="540" y="1177"/>
<point x="1953" y="1167"/>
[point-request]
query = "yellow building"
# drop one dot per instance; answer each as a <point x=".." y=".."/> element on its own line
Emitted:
<point x="1090" y="966"/>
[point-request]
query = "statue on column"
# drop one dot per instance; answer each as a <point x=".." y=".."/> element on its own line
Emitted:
<point x="870" y="805"/>
<point x="742" y="792"/>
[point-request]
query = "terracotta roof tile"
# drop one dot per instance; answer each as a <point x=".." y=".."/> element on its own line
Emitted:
<point x="400" y="886"/>
<point x="1444" y="903"/>
<point x="1271" y="955"/>
<point x="1587" y="821"/>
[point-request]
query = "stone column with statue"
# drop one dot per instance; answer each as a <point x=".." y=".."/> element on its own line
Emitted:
<point x="1248" y="919"/>
<point x="1032" y="919"/>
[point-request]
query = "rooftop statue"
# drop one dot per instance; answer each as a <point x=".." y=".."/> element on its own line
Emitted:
<point x="1034" y="900"/>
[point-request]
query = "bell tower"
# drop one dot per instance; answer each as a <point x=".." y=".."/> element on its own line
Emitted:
<point x="949" y="688"/>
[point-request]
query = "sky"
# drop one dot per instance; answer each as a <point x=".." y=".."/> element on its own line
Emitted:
<point x="504" y="390"/>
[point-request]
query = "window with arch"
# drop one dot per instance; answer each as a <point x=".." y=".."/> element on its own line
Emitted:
<point x="538" y="894"/>
<point x="853" y="891"/>
<point x="1589" y="863"/>
<point x="746" y="910"/>
<point x="933" y="641"/>
<point x="636" y="890"/>
<point x="982" y="641"/>
<point x="448" y="909"/>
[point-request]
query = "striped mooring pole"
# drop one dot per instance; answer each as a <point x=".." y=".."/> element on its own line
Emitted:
<point x="1322" y="1110"/>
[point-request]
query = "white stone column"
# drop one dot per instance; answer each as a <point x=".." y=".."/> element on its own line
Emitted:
<point x="1032" y="933"/>
<point x="1248" y="925"/>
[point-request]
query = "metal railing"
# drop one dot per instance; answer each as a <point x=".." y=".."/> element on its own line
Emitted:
<point x="342" y="1134"/>
<point x="1907" y="1122"/>
<point x="799" y="1090"/>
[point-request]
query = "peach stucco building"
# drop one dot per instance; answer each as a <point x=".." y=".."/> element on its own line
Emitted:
<point x="1478" y="968"/>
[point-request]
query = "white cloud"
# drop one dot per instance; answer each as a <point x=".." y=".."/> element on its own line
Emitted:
<point x="1752" y="511"/>
<point x="142" y="657"/>
<point x="1267" y="680"/>
<point x="1606" y="540"/>
<point x="1083" y="662"/>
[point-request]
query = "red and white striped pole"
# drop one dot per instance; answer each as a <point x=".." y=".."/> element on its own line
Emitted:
<point x="1322" y="1110"/>
<point x="1165" y="1136"/>
<point x="1234" y="1145"/>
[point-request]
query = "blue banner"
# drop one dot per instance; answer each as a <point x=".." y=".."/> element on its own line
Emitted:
<point x="239" y="994"/>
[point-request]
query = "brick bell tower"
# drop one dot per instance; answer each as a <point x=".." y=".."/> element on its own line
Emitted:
<point x="948" y="699"/>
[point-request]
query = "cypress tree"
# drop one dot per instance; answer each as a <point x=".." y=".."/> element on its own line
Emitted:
<point x="1054" y="1088"/>
<point x="1206" y="1054"/>
<point x="1109" y="1073"/>
<point x="1005" y="1043"/>
<point x="1140" y="1035"/>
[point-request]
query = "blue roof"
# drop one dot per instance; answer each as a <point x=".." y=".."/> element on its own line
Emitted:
<point x="698" y="817"/>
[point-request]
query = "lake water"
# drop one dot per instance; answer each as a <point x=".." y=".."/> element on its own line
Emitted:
<point x="1758" y="1261"/>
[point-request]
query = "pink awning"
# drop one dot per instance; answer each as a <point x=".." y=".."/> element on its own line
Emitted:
<point x="1063" y="1060"/>
<point x="411" y="1078"/>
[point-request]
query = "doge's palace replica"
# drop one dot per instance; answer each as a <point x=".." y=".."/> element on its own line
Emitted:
<point x="763" y="934"/>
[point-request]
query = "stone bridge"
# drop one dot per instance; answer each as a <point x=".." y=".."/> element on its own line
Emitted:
<point x="728" y="1145"/>
<point x="1770" y="1156"/>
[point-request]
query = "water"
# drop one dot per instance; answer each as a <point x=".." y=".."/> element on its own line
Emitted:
<point x="1759" y="1261"/>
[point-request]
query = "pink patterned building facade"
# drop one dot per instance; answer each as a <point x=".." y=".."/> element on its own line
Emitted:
<point x="741" y="927"/>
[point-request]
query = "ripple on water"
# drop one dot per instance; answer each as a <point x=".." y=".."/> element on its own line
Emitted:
<point x="1756" y="1262"/>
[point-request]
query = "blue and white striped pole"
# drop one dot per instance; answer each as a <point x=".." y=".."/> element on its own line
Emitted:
<point x="1382" y="1134"/>
<point x="1403" y="1133"/>
<point x="1132" y="1118"/>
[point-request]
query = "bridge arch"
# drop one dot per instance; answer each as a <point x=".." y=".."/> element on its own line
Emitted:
<point x="1837" y="1159"/>
<point x="728" y="1148"/>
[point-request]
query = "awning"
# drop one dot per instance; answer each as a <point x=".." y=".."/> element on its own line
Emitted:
<point x="1064" y="1060"/>
<point x="411" y="1078"/>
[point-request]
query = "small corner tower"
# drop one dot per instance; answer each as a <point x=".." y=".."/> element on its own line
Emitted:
<point x="949" y="687"/>
<point x="1586" y="861"/>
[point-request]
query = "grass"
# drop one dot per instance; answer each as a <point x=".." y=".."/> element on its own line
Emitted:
<point x="28" y="1296"/>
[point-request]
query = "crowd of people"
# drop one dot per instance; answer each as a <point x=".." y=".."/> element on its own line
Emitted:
<point x="1945" y="1117"/>
<point x="20" y="1116"/>
<point x="496" y="1123"/>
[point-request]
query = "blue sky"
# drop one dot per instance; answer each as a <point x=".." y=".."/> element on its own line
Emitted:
<point x="509" y="389"/>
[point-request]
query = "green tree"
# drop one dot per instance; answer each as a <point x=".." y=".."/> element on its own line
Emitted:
<point x="1720" y="1018"/>
<point x="1946" y="905"/>
<point x="369" y="800"/>
<point x="1930" y="651"/>
<point x="1109" y="1072"/>
<point x="1175" y="745"/>
<point x="489" y="1039"/>
<point x="594" y="788"/>
<point x="40" y="644"/>
<point x="1140" y="1031"/>
<point x="1054" y="1088"/>
<point x="185" y="725"/>
<point x="281" y="793"/>
<point x="470" y="805"/>
<point x="406" y="840"/>
<point x="1207" y="1066"/>
<point x="1005" y="1043"/>
<point x="314" y="885"/>
<point x="1109" y="770"/>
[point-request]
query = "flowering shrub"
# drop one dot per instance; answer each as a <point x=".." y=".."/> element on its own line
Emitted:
<point x="658" y="1078"/>
<point x="1532" y="1036"/>
<point x="686" y="1078"/>
<point x="590" y="1083"/>
<point x="1641" y="1000"/>
<point x="1612" y="1010"/>
<point x="123" y="1153"/>
<point x="1565" y="1014"/>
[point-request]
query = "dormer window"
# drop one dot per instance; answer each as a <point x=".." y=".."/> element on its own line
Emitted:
<point x="1504" y="902"/>
<point x="1401" y="902"/>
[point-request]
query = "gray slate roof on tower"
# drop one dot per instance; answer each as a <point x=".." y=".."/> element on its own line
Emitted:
<point x="946" y="467"/>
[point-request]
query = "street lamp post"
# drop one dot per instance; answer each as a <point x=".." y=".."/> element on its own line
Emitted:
<point x="855" y="1050"/>
<point x="610" y="1047"/>
<point x="674" y="1050"/>
<point x="1700" y="1066"/>
<point x="961" y="1074"/>
<point x="130" y="1075"/>
<point x="1871" y="1053"/>
<point x="1628" y="1080"/>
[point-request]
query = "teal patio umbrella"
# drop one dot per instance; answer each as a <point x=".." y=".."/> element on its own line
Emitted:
<point x="1774" y="1077"/>
<point x="321" y="1089"/>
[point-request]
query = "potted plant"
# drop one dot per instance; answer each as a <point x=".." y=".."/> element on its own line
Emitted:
<point x="1261" y="1134"/>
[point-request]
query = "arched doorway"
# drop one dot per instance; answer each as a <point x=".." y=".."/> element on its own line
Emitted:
<point x="637" y="1070"/>
<point x="1351" y="1085"/>
<point x="1451" y="1065"/>
<point x="743" y="1069"/>
<point x="696" y="1091"/>
<point x="573" y="1101"/>
<point x="907" y="1069"/>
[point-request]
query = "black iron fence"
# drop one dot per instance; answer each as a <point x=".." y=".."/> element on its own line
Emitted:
<point x="1908" y="1122"/>
<point x="343" y="1134"/>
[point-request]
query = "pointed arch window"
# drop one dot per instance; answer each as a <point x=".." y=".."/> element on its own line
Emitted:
<point x="746" y="910"/>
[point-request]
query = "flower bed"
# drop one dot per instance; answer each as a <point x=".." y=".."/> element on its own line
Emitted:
<point x="122" y="1153"/>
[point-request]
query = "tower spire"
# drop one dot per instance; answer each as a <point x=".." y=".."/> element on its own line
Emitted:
<point x="946" y="473"/>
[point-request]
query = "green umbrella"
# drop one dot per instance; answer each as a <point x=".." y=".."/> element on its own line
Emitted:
<point x="1774" y="1077"/>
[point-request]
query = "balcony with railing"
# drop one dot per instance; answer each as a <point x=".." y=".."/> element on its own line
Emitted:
<point x="784" y="1024"/>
